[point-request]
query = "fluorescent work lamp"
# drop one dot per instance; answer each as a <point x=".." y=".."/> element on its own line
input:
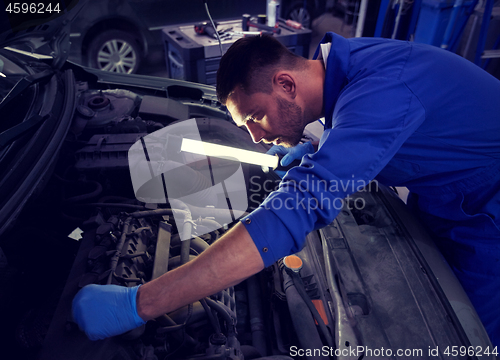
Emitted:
<point x="228" y="152"/>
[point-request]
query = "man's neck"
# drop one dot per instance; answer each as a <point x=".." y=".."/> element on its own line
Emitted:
<point x="314" y="79"/>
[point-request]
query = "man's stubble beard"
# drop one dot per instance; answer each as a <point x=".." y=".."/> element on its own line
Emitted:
<point x="290" y="121"/>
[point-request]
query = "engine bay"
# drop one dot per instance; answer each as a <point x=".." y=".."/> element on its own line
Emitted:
<point x="127" y="242"/>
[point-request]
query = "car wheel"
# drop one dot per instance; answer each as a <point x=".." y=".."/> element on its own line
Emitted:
<point x="115" y="51"/>
<point x="297" y="12"/>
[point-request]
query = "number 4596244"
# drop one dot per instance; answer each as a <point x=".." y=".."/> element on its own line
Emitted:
<point x="32" y="8"/>
<point x="470" y="350"/>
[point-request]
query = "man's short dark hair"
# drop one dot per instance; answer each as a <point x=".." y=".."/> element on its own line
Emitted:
<point x="251" y="63"/>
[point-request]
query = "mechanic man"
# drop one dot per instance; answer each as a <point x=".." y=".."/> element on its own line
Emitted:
<point x="403" y="113"/>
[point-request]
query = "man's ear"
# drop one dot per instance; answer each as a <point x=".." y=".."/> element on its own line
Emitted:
<point x="285" y="83"/>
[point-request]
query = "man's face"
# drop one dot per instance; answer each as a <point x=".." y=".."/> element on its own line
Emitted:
<point x="268" y="118"/>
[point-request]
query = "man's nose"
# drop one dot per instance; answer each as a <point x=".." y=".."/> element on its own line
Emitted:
<point x="256" y="131"/>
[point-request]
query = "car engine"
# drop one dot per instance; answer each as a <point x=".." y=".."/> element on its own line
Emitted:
<point x="127" y="242"/>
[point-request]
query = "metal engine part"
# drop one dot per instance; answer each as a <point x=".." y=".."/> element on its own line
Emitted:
<point x="98" y="108"/>
<point x="133" y="248"/>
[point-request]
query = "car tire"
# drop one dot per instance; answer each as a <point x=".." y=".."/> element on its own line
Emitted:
<point x="115" y="51"/>
<point x="295" y="11"/>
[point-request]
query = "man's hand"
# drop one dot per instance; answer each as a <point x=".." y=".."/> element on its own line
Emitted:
<point x="102" y="311"/>
<point x="290" y="154"/>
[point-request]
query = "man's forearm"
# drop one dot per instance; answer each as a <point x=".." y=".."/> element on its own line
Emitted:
<point x="227" y="262"/>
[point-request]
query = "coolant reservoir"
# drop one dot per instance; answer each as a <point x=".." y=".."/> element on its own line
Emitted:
<point x="293" y="262"/>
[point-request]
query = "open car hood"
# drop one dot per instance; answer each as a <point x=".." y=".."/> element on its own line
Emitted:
<point x="30" y="26"/>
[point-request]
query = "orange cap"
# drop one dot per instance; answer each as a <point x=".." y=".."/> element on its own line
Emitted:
<point x="293" y="262"/>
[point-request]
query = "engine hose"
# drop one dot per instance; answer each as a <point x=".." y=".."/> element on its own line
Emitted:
<point x="175" y="262"/>
<point x="187" y="228"/>
<point x="209" y="223"/>
<point x="185" y="249"/>
<point x="197" y="244"/>
<point x="227" y="314"/>
<point x="213" y="320"/>
<point x="302" y="319"/>
<point x="114" y="205"/>
<point x="171" y="328"/>
<point x="183" y="210"/>
<point x="257" y="325"/>
<point x="299" y="285"/>
<point x="197" y="314"/>
<point x="195" y="212"/>
<point x="153" y="213"/>
<point x="116" y="198"/>
<point x="97" y="191"/>
<point x="166" y="321"/>
<point x="228" y="299"/>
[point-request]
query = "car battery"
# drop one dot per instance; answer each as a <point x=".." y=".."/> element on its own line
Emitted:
<point x="193" y="57"/>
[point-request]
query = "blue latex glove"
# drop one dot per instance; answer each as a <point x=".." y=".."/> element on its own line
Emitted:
<point x="290" y="154"/>
<point x="102" y="311"/>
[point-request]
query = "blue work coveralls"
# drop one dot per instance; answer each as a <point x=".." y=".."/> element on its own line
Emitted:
<point x="409" y="115"/>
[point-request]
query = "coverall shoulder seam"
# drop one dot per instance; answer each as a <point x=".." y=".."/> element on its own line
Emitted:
<point x="405" y="62"/>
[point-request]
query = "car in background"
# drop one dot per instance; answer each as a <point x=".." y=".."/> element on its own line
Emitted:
<point x="116" y="35"/>
<point x="302" y="11"/>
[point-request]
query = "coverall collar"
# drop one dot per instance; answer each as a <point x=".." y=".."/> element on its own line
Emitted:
<point x="336" y="72"/>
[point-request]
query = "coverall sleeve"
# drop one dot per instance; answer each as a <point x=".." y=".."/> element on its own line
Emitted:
<point x="371" y="120"/>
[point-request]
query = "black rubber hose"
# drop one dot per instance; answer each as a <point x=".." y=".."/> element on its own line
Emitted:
<point x="114" y="205"/>
<point x="256" y="315"/>
<point x="170" y="324"/>
<point x="303" y="321"/>
<point x="187" y="228"/>
<point x="299" y="284"/>
<point x="175" y="262"/>
<point x="197" y="244"/>
<point x="227" y="314"/>
<point x="213" y="320"/>
<point x="226" y="297"/>
<point x="95" y="193"/>
<point x="186" y="248"/>
<point x="156" y="212"/>
<point x="167" y="322"/>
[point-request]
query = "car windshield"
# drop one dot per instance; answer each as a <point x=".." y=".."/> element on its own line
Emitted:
<point x="17" y="108"/>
